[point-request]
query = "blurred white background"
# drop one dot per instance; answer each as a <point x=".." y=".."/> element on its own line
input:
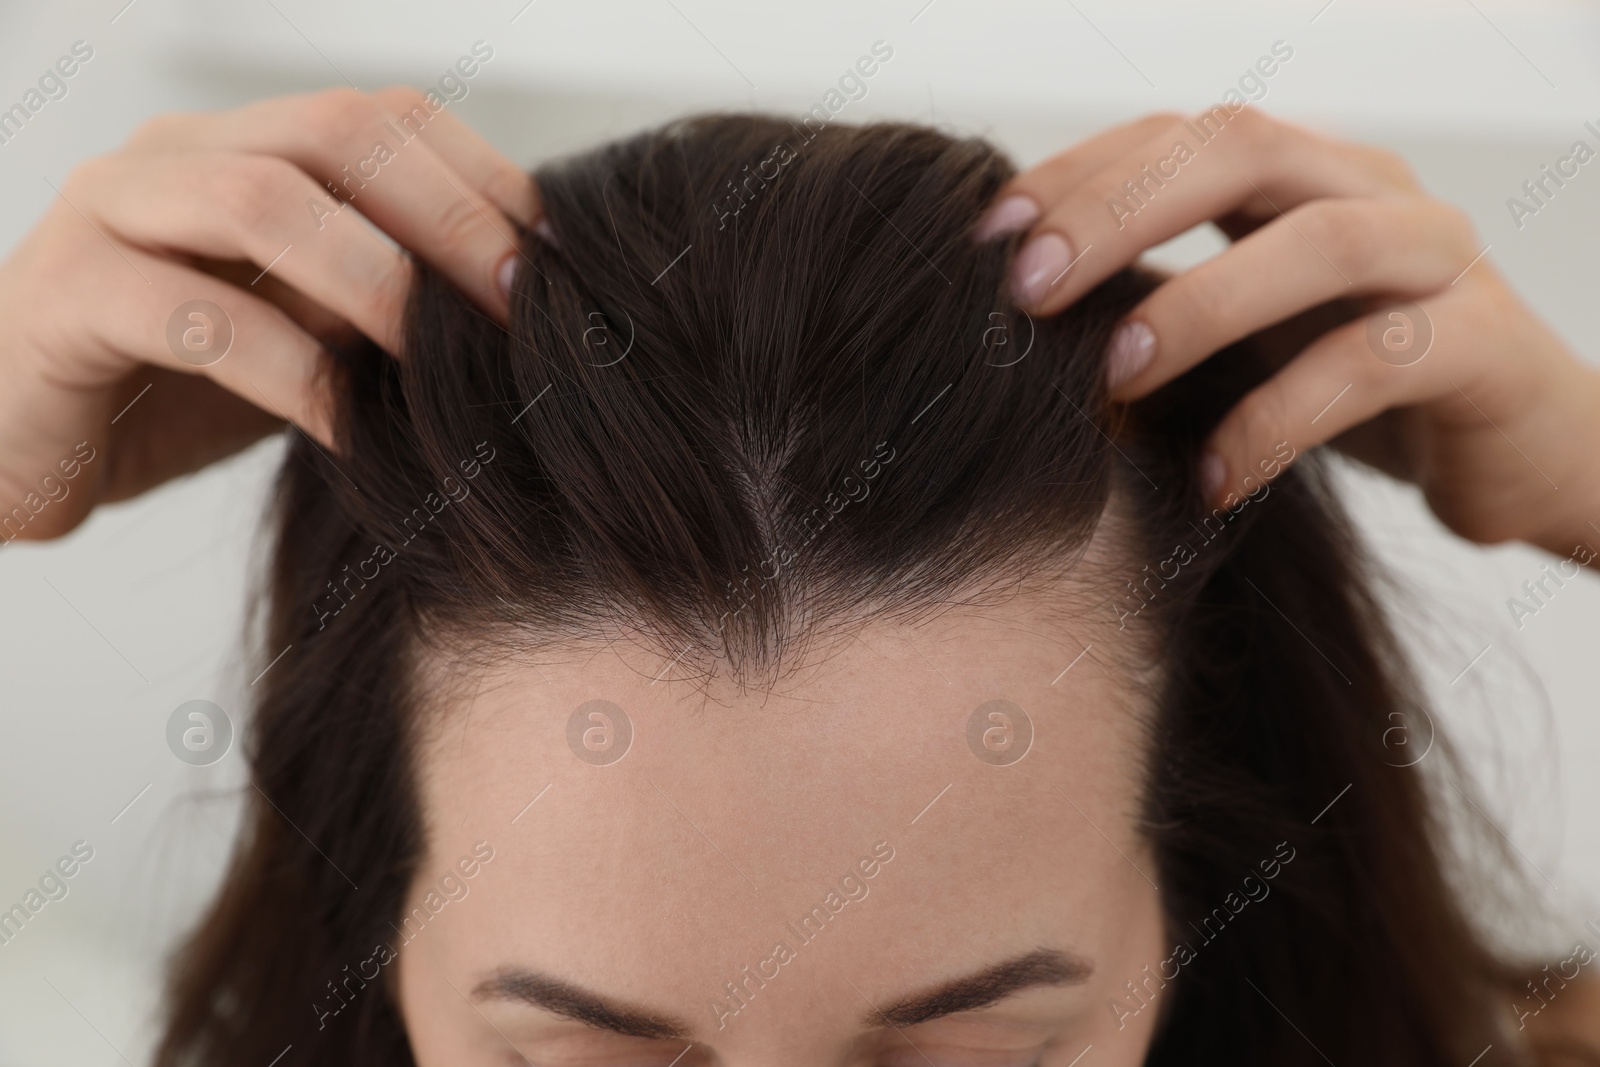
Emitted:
<point x="106" y="632"/>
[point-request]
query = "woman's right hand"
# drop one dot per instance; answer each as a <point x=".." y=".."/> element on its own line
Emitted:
<point x="106" y="343"/>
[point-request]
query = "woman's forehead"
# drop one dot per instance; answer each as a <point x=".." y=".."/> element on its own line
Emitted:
<point x="991" y="727"/>
<point x="1009" y="692"/>
<point x="917" y="781"/>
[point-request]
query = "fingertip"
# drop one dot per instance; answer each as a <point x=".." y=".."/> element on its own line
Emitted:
<point x="316" y="424"/>
<point x="1009" y="215"/>
<point x="1212" y="471"/>
<point x="1131" y="351"/>
<point x="1043" y="261"/>
<point x="506" y="275"/>
<point x="538" y="197"/>
<point x="323" y="436"/>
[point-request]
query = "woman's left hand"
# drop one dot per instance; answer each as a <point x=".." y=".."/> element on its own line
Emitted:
<point x="1449" y="380"/>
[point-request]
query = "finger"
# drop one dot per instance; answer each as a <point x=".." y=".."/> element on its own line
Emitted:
<point x="1323" y="250"/>
<point x="1336" y="384"/>
<point x="505" y="185"/>
<point x="1219" y="163"/>
<point x="265" y="357"/>
<point x="331" y="331"/>
<point x="181" y="424"/>
<point x="258" y="208"/>
<point x="381" y="165"/>
<point x="1024" y="198"/>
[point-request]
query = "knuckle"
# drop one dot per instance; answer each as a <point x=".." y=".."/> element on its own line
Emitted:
<point x="335" y="116"/>
<point x="1217" y="117"/>
<point x="403" y="101"/>
<point x="92" y="173"/>
<point x="1392" y="166"/>
<point x="1344" y="233"/>
<point x="460" y="223"/>
<point x="250" y="188"/>
<point x="1458" y="227"/>
<point x="1162" y="120"/>
<point x="1195" y="304"/>
<point x="1256" y="126"/>
<point x="401" y="97"/>
<point x="64" y="263"/>
<point x="511" y="186"/>
<point x="160" y="130"/>
<point x="1259" y="418"/>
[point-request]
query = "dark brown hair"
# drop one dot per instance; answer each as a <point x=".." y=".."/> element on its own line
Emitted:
<point x="738" y="321"/>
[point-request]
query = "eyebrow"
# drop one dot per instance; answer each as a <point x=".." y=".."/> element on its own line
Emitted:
<point x="571" y="1002"/>
<point x="1042" y="967"/>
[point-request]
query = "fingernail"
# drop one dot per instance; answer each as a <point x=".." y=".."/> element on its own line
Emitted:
<point x="546" y="234"/>
<point x="1212" y="474"/>
<point x="1133" y="346"/>
<point x="1039" y="265"/>
<point x="506" y="275"/>
<point x="1011" y="215"/>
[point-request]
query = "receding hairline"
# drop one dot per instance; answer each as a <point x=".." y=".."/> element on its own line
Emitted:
<point x="1070" y="587"/>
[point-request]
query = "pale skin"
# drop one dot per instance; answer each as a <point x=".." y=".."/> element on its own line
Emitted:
<point x="628" y="882"/>
<point x="651" y="883"/>
<point x="1317" y="219"/>
<point x="197" y="207"/>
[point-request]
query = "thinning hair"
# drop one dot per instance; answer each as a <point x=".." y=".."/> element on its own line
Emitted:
<point x="729" y="420"/>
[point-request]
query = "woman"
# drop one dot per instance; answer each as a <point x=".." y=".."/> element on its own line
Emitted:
<point x="792" y="616"/>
